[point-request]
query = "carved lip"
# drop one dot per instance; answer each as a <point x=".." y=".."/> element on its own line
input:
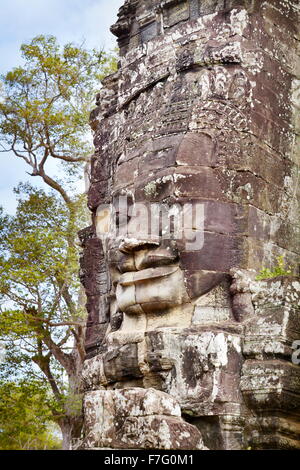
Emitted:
<point x="130" y="278"/>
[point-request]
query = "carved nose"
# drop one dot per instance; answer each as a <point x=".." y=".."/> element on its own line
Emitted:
<point x="127" y="245"/>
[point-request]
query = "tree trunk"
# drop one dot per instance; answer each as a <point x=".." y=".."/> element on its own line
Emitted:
<point x="71" y="429"/>
<point x="66" y="430"/>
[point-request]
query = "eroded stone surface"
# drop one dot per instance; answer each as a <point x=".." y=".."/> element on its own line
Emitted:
<point x="203" y="111"/>
<point x="136" y="419"/>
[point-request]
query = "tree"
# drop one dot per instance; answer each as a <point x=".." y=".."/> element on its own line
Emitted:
<point x="44" y="110"/>
<point x="45" y="106"/>
<point x="25" y="419"/>
<point x="41" y="313"/>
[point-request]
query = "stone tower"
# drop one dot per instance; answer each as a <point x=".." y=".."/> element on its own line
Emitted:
<point x="185" y="348"/>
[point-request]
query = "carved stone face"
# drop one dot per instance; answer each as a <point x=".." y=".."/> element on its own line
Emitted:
<point x="184" y="144"/>
<point x="179" y="129"/>
<point x="208" y="177"/>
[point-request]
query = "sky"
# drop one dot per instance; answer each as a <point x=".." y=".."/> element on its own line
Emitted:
<point x="69" y="21"/>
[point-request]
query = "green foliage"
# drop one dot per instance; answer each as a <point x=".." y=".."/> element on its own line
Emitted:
<point x="36" y="256"/>
<point x="279" y="270"/>
<point x="39" y="266"/>
<point x="25" y="417"/>
<point x="44" y="108"/>
<point x="46" y="102"/>
<point x="41" y="312"/>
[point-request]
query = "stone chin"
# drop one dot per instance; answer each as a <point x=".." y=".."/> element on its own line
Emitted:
<point x="151" y="290"/>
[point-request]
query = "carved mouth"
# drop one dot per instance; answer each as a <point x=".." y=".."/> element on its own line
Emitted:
<point x="130" y="278"/>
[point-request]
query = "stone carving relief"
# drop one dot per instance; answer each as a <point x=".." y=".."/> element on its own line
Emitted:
<point x="193" y="189"/>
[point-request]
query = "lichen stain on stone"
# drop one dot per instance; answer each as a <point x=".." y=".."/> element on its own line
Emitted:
<point x="185" y="348"/>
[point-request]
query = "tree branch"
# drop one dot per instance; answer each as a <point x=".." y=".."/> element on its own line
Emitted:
<point x="50" y="323"/>
<point x="54" y="185"/>
<point x="44" y="364"/>
<point x="79" y="338"/>
<point x="66" y="158"/>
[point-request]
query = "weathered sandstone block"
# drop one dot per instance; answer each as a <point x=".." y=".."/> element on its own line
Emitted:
<point x="136" y="419"/>
<point x="194" y="188"/>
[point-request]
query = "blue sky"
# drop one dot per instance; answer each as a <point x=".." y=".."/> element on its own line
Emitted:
<point x="68" y="20"/>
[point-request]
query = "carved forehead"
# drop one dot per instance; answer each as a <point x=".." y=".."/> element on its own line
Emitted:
<point x="178" y="122"/>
